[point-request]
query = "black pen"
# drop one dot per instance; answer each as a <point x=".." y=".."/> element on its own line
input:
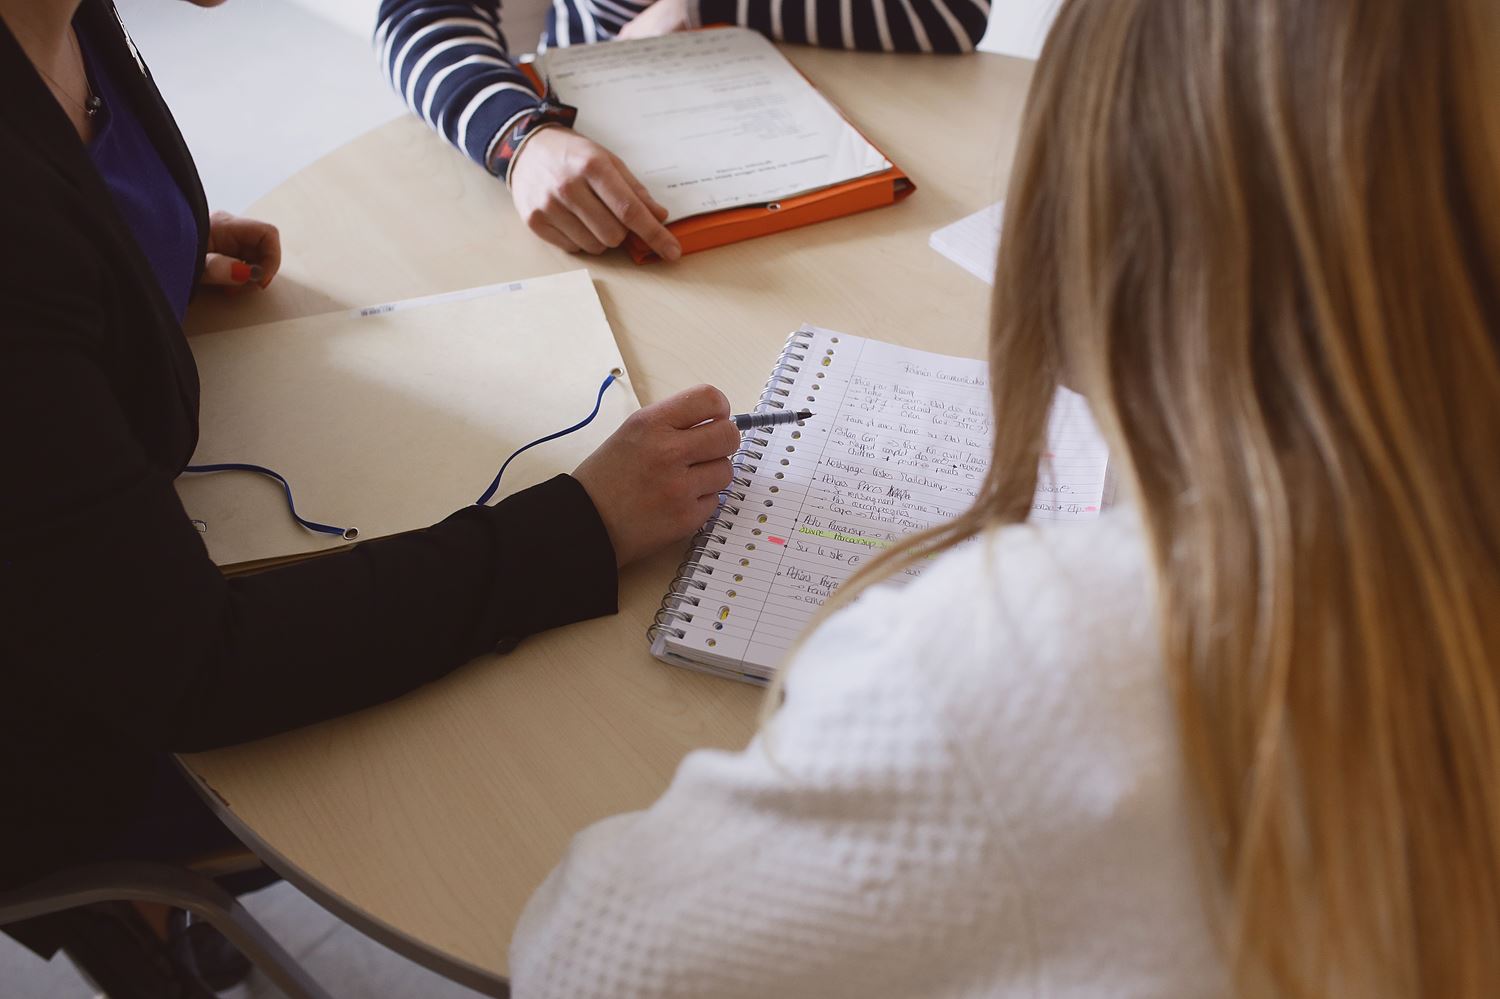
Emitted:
<point x="754" y="421"/>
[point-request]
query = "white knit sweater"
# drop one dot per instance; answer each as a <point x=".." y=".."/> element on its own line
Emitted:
<point x="973" y="789"/>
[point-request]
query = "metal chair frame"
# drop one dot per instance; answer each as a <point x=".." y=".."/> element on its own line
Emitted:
<point x="165" y="884"/>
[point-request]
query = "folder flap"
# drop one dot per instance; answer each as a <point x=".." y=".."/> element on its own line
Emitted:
<point x="389" y="418"/>
<point x="704" y="232"/>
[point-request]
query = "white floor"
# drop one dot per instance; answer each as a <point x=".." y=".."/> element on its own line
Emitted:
<point x="344" y="961"/>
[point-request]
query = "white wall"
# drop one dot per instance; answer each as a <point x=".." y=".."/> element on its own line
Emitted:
<point x="260" y="88"/>
<point x="1017" y="27"/>
<point x="522" y="20"/>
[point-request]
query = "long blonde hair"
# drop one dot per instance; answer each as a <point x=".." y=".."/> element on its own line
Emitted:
<point x="1263" y="238"/>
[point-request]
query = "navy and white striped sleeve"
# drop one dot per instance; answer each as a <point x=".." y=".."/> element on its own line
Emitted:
<point x="449" y="62"/>
<point x="874" y="25"/>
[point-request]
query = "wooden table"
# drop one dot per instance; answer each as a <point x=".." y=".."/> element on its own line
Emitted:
<point x="428" y="822"/>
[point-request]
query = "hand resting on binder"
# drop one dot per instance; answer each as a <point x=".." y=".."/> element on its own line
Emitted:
<point x="657" y="478"/>
<point x="661" y="18"/>
<point x="577" y="195"/>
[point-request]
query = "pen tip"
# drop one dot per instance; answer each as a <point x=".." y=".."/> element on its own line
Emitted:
<point x="804" y="414"/>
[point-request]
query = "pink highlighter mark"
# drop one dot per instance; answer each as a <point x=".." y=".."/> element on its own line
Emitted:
<point x="1091" y="509"/>
<point x="775" y="540"/>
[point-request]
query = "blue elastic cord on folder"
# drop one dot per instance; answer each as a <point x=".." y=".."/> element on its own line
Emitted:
<point x="350" y="533"/>
<point x="347" y="533"/>
<point x="598" y="401"/>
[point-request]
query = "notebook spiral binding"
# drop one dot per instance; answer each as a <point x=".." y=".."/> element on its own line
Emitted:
<point x="677" y="606"/>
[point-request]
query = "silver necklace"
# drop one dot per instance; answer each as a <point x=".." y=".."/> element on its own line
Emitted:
<point x="94" y="104"/>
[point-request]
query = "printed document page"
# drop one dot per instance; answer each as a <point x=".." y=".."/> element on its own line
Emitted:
<point x="709" y="120"/>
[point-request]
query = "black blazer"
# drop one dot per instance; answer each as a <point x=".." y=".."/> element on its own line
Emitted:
<point x="119" y="639"/>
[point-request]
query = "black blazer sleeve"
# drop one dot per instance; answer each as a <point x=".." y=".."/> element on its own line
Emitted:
<point x="111" y="603"/>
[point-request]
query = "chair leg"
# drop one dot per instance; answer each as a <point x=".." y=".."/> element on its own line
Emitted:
<point x="241" y="929"/>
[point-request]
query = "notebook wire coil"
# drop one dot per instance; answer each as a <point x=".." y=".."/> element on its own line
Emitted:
<point x="704" y="544"/>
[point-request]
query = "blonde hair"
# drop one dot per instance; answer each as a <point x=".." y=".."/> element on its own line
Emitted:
<point x="1263" y="238"/>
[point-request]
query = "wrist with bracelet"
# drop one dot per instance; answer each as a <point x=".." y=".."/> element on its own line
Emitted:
<point x="548" y="112"/>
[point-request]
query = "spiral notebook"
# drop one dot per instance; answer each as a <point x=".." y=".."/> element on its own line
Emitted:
<point x="900" y="441"/>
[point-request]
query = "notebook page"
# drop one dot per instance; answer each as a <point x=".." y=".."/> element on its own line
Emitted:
<point x="900" y="441"/>
<point x="709" y="120"/>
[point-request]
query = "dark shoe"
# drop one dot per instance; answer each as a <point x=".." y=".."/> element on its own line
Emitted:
<point x="203" y="952"/>
<point x="113" y="948"/>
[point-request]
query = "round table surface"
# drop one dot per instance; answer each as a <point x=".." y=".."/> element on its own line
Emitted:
<point x="428" y="821"/>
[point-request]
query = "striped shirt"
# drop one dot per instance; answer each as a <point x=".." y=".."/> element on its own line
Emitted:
<point x="449" y="61"/>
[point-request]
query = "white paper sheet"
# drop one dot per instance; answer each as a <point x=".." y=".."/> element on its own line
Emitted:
<point x="389" y="418"/>
<point x="973" y="242"/>
<point x="709" y="120"/>
<point x="1019" y="27"/>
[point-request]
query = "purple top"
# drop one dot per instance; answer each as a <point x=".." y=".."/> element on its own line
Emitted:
<point x="153" y="206"/>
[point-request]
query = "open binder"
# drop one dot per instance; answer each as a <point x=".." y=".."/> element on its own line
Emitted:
<point x="703" y="230"/>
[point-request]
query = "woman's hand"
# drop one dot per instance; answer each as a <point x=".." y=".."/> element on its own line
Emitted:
<point x="661" y="18"/>
<point x="657" y="478"/>
<point x="241" y="252"/>
<point x="577" y="195"/>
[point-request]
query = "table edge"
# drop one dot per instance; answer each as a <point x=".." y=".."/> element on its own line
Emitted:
<point x="464" y="973"/>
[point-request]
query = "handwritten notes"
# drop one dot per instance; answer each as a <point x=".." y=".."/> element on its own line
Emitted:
<point x="709" y="120"/>
<point x="900" y="442"/>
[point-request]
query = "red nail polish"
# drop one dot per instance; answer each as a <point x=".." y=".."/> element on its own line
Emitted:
<point x="240" y="271"/>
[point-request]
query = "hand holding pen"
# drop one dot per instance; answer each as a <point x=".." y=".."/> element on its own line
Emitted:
<point x="658" y="477"/>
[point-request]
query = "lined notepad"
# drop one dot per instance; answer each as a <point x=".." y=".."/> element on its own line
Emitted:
<point x="900" y="441"/>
